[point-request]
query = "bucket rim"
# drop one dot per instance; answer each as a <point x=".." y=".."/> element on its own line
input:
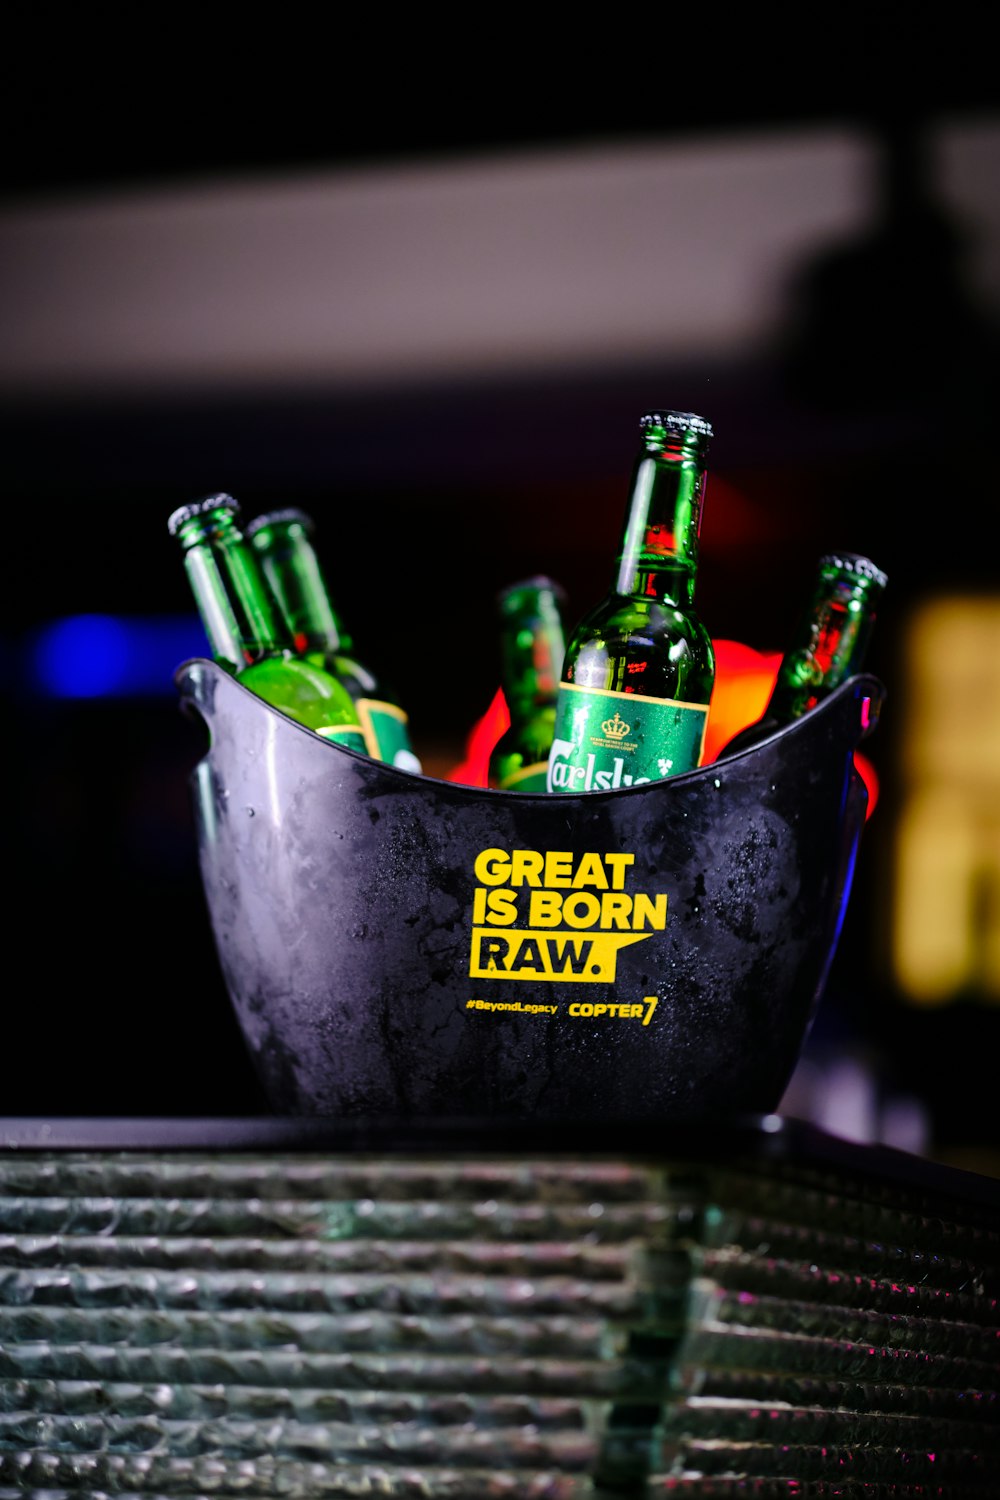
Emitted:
<point x="197" y="677"/>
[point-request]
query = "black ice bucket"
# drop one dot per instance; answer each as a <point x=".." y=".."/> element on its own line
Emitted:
<point x="400" y="946"/>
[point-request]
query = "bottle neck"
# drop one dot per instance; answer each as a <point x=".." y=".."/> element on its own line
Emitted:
<point x="828" y="647"/>
<point x="658" y="556"/>
<point x="532" y="647"/>
<point x="230" y="592"/>
<point x="292" y="570"/>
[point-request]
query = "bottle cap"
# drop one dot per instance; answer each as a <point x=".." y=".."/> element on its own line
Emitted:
<point x="287" y="514"/>
<point x="199" y="508"/>
<point x="680" y="422"/>
<point x="854" y="563"/>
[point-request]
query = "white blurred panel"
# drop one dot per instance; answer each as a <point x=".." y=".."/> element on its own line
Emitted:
<point x="510" y="264"/>
<point x="966" y="168"/>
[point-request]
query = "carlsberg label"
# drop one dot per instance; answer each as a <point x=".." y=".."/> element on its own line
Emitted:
<point x="604" y="741"/>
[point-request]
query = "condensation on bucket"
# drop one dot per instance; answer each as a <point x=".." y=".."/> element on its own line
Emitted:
<point x="352" y="939"/>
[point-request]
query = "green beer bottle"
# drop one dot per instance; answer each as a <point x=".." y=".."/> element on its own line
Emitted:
<point x="640" y="666"/>
<point x="532" y="646"/>
<point x="244" y="631"/>
<point x="283" y="542"/>
<point x="829" y="644"/>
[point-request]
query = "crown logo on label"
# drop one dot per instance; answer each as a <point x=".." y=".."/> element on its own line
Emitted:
<point x="616" y="728"/>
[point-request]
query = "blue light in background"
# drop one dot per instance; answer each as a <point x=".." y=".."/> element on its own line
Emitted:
<point x="113" y="656"/>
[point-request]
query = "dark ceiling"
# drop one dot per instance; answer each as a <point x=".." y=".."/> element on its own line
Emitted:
<point x="87" y="104"/>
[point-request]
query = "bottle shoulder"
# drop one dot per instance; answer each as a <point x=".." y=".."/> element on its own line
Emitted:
<point x="301" y="689"/>
<point x="645" y="647"/>
<point x="619" y="617"/>
<point x="359" y="681"/>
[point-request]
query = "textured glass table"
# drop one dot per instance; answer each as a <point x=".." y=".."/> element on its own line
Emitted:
<point x="277" y="1307"/>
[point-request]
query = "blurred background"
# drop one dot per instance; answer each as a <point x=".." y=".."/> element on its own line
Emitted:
<point x="429" y="306"/>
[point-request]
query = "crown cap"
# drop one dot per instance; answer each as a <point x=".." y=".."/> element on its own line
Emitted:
<point x="680" y="423"/>
<point x="856" y="565"/>
<point x="287" y="515"/>
<point x="183" y="513"/>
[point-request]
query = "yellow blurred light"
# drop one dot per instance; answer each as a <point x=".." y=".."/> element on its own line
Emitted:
<point x="945" y="937"/>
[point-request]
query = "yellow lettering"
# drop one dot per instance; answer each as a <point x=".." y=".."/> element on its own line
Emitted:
<point x="545" y="909"/>
<point x="492" y="866"/>
<point x="559" y="868"/>
<point x="614" y="1011"/>
<point x="619" y="863"/>
<point x="615" y="911"/>
<point x="590" y="871"/>
<point x="651" y="910"/>
<point x="553" y="868"/>
<point x="502" y="907"/>
<point x="581" y="910"/>
<point x="526" y="867"/>
<point x="550" y="956"/>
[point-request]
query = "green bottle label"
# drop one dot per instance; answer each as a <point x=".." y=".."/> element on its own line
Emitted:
<point x="533" y="778"/>
<point x="604" y="741"/>
<point x="387" y="734"/>
<point x="345" y="734"/>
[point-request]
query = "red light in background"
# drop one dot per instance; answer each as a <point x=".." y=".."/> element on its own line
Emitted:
<point x="472" y="769"/>
<point x="743" y="682"/>
<point x="868" y="775"/>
